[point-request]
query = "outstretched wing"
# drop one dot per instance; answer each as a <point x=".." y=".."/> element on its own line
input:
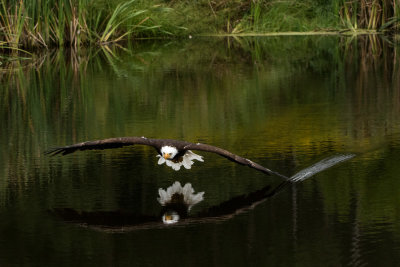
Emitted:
<point x="103" y="144"/>
<point x="232" y="157"/>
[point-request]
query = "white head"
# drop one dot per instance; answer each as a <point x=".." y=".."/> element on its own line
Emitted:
<point x="170" y="217"/>
<point x="169" y="152"/>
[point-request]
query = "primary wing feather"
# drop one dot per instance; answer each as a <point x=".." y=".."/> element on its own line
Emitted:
<point x="232" y="157"/>
<point x="102" y="144"/>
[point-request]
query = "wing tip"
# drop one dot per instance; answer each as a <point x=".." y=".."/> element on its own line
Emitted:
<point x="52" y="151"/>
<point x="57" y="150"/>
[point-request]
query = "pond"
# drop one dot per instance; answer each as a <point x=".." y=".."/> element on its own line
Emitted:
<point x="283" y="102"/>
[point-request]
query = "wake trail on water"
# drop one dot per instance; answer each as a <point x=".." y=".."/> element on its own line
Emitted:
<point x="320" y="166"/>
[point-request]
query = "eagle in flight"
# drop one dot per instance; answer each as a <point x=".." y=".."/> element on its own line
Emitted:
<point x="174" y="153"/>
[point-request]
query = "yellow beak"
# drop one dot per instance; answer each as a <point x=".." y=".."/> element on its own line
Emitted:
<point x="166" y="155"/>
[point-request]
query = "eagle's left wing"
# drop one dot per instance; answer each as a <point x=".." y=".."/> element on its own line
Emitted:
<point x="232" y="157"/>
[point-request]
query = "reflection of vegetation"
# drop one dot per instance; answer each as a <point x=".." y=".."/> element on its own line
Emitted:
<point x="291" y="101"/>
<point x="284" y="102"/>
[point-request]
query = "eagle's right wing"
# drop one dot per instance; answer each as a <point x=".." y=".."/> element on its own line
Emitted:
<point x="103" y="144"/>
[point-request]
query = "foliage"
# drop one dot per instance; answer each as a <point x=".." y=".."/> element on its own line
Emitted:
<point x="74" y="23"/>
<point x="305" y="15"/>
<point x="370" y="14"/>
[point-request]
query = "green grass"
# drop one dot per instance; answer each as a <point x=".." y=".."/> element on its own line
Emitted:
<point x="278" y="16"/>
<point x="370" y="14"/>
<point x="75" y="23"/>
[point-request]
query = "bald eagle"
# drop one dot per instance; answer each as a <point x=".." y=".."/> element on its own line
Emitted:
<point x="174" y="153"/>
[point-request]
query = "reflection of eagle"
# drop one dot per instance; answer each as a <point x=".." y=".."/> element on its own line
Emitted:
<point x="173" y="153"/>
<point x="125" y="221"/>
<point x="175" y="213"/>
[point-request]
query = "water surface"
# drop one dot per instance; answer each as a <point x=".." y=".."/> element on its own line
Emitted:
<point x="284" y="102"/>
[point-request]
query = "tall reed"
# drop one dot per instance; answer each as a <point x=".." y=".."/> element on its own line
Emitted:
<point x="40" y="23"/>
<point x="370" y="14"/>
<point x="12" y="22"/>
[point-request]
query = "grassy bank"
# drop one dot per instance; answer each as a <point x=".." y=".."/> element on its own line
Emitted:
<point x="29" y="24"/>
<point x="75" y="23"/>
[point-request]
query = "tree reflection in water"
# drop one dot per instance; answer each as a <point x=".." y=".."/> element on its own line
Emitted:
<point x="177" y="201"/>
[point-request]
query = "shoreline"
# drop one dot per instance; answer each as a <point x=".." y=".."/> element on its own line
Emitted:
<point x="309" y="33"/>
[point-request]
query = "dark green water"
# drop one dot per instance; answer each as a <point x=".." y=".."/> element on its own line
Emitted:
<point x="285" y="103"/>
